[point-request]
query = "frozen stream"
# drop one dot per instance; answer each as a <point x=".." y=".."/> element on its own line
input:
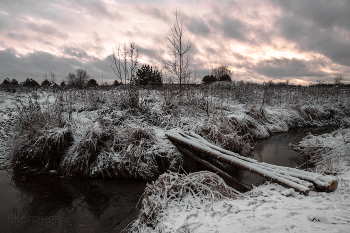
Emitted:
<point x="50" y="204"/>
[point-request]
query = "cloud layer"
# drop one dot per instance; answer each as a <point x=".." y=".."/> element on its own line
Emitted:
<point x="261" y="40"/>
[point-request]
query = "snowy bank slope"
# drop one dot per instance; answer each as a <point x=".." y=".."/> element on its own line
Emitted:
<point x="271" y="207"/>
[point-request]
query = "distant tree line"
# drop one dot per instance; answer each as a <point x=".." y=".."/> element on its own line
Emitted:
<point x="146" y="75"/>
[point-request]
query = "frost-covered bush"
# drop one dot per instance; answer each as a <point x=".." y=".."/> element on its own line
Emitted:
<point x="88" y="142"/>
<point x="325" y="153"/>
<point x="41" y="134"/>
<point x="115" y="151"/>
<point x="42" y="151"/>
<point x="180" y="191"/>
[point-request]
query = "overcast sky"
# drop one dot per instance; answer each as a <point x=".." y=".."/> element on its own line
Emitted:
<point x="260" y="40"/>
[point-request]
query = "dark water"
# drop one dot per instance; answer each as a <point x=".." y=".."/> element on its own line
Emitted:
<point x="45" y="204"/>
<point x="275" y="150"/>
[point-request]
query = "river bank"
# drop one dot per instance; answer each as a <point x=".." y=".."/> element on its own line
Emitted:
<point x="121" y="133"/>
<point x="268" y="207"/>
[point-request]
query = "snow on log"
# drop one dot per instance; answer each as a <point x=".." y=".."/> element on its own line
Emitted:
<point x="210" y="166"/>
<point x="321" y="182"/>
<point x="299" y="180"/>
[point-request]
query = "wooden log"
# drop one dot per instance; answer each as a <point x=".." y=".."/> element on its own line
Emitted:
<point x="210" y="166"/>
<point x="321" y="182"/>
<point x="237" y="162"/>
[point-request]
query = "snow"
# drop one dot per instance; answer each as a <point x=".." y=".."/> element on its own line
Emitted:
<point x="272" y="207"/>
<point x="267" y="208"/>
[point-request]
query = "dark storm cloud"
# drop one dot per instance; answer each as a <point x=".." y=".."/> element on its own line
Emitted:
<point x="75" y="52"/>
<point x="150" y="53"/>
<point x="318" y="26"/>
<point x="232" y="28"/>
<point x="47" y="30"/>
<point x="17" y="36"/>
<point x="156" y="12"/>
<point x="34" y="65"/>
<point x="326" y="14"/>
<point x="288" y="68"/>
<point x="95" y="8"/>
<point x="198" y="26"/>
<point x="19" y="8"/>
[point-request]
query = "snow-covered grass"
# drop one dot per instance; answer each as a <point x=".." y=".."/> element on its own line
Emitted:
<point x="97" y="123"/>
<point x="327" y="153"/>
<point x="179" y="191"/>
<point x="120" y="133"/>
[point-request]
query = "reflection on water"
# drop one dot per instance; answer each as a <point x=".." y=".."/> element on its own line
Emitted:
<point x="274" y="150"/>
<point x="47" y="204"/>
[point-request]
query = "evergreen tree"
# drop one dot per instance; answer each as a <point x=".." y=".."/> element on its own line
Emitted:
<point x="14" y="82"/>
<point x="45" y="83"/>
<point x="6" y="81"/>
<point x="147" y="76"/>
<point x="29" y="82"/>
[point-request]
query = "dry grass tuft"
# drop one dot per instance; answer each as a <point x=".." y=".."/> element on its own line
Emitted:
<point x="83" y="152"/>
<point x="181" y="191"/>
<point x="43" y="151"/>
<point x="219" y="130"/>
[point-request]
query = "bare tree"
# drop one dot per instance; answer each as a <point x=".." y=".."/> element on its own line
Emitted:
<point x="221" y="71"/>
<point x="81" y="77"/>
<point x="52" y="77"/>
<point x="178" y="47"/>
<point x="338" y="79"/>
<point x="117" y="62"/>
<point x="78" y="79"/>
<point x="124" y="61"/>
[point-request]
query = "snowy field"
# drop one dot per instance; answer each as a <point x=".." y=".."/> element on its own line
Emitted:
<point x="120" y="133"/>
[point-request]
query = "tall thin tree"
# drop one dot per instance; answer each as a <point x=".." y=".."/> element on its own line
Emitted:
<point x="178" y="47"/>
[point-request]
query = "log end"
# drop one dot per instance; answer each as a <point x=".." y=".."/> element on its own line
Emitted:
<point x="333" y="186"/>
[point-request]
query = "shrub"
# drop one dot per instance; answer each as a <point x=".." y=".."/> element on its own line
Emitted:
<point x="92" y="83"/>
<point x="45" y="83"/>
<point x="225" y="78"/>
<point x="208" y="79"/>
<point x="147" y="76"/>
<point x="116" y="83"/>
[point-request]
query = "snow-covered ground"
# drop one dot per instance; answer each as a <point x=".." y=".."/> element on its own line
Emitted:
<point x="267" y="208"/>
<point x="7" y="115"/>
<point x="271" y="207"/>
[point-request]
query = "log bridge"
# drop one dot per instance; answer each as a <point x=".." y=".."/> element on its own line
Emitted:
<point x="300" y="180"/>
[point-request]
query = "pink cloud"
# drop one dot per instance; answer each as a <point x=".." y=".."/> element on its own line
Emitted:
<point x="241" y="34"/>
